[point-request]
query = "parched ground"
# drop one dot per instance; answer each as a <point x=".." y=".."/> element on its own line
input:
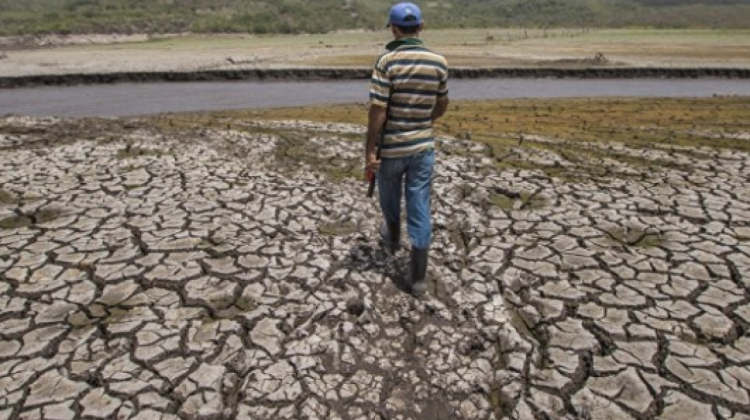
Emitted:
<point x="498" y="47"/>
<point x="154" y="270"/>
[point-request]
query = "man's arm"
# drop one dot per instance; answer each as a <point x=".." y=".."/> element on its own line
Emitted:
<point x="441" y="106"/>
<point x="375" y="121"/>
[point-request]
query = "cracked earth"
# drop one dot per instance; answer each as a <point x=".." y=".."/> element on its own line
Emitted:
<point x="213" y="274"/>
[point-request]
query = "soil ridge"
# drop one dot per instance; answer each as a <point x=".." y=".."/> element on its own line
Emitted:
<point x="351" y="73"/>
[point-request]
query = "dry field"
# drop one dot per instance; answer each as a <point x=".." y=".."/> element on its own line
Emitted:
<point x="508" y="125"/>
<point x="590" y="257"/>
<point x="494" y="47"/>
<point x="590" y="260"/>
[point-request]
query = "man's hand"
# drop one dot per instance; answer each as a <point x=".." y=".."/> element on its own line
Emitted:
<point x="376" y="119"/>
<point x="372" y="163"/>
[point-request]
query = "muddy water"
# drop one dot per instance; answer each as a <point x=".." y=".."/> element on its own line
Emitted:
<point x="152" y="98"/>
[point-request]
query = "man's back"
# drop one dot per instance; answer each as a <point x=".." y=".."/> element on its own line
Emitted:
<point x="408" y="79"/>
<point x="408" y="92"/>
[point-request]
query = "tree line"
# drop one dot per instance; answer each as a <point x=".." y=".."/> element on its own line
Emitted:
<point x="21" y="17"/>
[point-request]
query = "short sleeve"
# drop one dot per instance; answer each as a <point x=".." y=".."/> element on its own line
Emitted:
<point x="443" y="86"/>
<point x="380" y="85"/>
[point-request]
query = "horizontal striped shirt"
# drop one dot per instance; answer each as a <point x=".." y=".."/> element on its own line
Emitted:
<point x="408" y="80"/>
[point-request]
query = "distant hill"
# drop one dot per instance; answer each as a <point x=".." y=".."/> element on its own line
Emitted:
<point x="18" y="17"/>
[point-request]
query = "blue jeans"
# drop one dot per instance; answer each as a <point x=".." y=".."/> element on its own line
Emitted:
<point x="416" y="170"/>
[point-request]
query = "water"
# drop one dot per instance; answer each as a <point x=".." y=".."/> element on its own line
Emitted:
<point x="152" y="98"/>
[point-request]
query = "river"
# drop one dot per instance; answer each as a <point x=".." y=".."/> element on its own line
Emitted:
<point x="115" y="100"/>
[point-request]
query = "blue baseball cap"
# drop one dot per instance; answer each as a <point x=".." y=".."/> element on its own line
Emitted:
<point x="405" y="14"/>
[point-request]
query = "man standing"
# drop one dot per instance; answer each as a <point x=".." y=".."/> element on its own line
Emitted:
<point x="408" y="92"/>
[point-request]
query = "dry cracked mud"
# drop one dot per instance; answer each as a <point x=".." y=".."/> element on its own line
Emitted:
<point x="157" y="273"/>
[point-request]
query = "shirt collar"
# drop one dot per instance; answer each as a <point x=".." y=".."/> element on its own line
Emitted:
<point x="403" y="42"/>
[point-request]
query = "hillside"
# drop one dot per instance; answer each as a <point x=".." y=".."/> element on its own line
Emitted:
<point x="20" y="17"/>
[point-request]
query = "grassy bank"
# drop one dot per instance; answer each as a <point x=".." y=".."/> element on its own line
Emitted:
<point x="637" y="122"/>
<point x="589" y="134"/>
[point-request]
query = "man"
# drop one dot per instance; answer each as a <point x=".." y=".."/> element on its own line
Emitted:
<point x="408" y="92"/>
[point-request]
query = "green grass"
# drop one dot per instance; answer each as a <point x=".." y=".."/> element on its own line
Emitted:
<point x="116" y="316"/>
<point x="508" y="201"/>
<point x="7" y="198"/>
<point x="47" y="215"/>
<point x="458" y="233"/>
<point x="634" y="238"/>
<point x="337" y="229"/>
<point x="246" y="304"/>
<point x="349" y="172"/>
<point x="40" y="217"/>
<point x="578" y="130"/>
<point x="130" y="167"/>
<point x="130" y="152"/>
<point x="640" y="123"/>
<point x="503" y="201"/>
<point x="15" y="222"/>
<point x="294" y="149"/>
<point x="220" y="302"/>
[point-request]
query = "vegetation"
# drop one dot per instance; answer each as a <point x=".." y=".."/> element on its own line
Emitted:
<point x="639" y="122"/>
<point x="293" y="149"/>
<point x="6" y="197"/>
<point x="19" y="221"/>
<point x="130" y="152"/>
<point x="634" y="238"/>
<point x="571" y="140"/>
<point x="14" y="222"/>
<point x="507" y="201"/>
<point x="337" y="229"/>
<point x="19" y="17"/>
<point x="584" y="132"/>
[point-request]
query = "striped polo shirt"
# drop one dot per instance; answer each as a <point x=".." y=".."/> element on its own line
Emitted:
<point x="413" y="77"/>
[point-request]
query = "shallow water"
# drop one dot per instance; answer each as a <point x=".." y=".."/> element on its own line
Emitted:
<point x="153" y="98"/>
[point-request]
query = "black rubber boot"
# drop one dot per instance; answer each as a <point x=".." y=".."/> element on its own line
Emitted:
<point x="391" y="234"/>
<point x="419" y="258"/>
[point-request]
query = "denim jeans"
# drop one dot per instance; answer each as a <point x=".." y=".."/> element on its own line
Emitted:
<point x="412" y="174"/>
